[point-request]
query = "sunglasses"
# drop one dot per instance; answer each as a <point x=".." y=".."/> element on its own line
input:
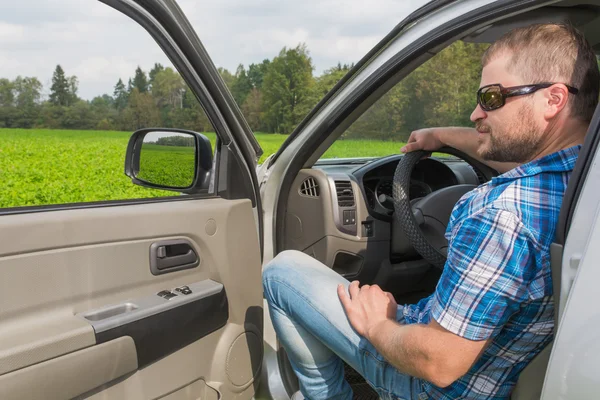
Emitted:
<point x="492" y="97"/>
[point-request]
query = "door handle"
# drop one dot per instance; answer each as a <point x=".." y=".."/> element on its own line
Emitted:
<point x="172" y="255"/>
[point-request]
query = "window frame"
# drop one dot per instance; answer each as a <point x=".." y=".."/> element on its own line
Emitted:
<point x="177" y="47"/>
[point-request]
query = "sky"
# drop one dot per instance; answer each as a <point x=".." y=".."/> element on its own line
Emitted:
<point x="154" y="136"/>
<point x="100" y="45"/>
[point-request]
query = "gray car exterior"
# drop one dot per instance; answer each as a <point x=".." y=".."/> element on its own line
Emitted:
<point x="572" y="370"/>
<point x="565" y="370"/>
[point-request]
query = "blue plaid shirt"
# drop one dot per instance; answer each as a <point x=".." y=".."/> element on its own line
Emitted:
<point x="497" y="283"/>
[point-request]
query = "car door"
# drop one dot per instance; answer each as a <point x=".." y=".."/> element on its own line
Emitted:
<point x="83" y="312"/>
<point x="571" y="372"/>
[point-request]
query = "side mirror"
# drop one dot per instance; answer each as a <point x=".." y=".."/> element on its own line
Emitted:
<point x="169" y="159"/>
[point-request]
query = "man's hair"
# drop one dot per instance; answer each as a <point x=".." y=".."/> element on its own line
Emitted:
<point x="553" y="53"/>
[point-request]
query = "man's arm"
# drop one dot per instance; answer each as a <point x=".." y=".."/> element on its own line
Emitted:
<point x="463" y="139"/>
<point x="428" y="351"/>
<point x="491" y="261"/>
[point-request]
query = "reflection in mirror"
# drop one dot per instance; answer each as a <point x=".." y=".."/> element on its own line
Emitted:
<point x="168" y="159"/>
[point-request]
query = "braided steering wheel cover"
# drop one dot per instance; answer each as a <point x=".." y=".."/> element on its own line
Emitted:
<point x="403" y="210"/>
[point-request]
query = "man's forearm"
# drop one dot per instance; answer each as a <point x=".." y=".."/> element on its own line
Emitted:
<point x="466" y="140"/>
<point x="402" y="348"/>
<point x="430" y="351"/>
<point x="422" y="351"/>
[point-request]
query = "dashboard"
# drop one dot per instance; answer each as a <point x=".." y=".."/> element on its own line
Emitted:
<point x="375" y="179"/>
<point x="427" y="176"/>
<point x="341" y="212"/>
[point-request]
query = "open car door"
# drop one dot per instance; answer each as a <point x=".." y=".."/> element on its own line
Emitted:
<point x="142" y="299"/>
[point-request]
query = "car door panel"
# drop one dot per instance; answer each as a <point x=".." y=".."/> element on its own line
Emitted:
<point x="158" y="331"/>
<point x="79" y="280"/>
<point x="102" y="363"/>
<point x="190" y="392"/>
<point x="24" y="343"/>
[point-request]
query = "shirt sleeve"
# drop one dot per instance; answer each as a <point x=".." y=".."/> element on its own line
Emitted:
<point x="491" y="258"/>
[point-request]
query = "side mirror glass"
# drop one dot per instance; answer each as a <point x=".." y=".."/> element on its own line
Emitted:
<point x="170" y="159"/>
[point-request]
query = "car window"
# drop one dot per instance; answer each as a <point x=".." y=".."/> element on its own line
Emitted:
<point x="72" y="91"/>
<point x="441" y="92"/>
<point x="276" y="94"/>
<point x="280" y="58"/>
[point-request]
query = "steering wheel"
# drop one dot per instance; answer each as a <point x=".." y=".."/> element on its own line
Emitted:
<point x="424" y="221"/>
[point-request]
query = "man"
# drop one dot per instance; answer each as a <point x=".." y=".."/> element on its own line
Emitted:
<point x="492" y="310"/>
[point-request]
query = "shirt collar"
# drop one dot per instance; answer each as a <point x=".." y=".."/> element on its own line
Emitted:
<point x="561" y="161"/>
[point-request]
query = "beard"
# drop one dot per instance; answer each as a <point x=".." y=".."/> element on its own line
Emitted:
<point x="516" y="142"/>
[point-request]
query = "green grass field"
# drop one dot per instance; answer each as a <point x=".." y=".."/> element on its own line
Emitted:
<point x="39" y="167"/>
<point x="172" y="166"/>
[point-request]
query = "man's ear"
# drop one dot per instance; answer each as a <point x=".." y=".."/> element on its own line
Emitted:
<point x="556" y="97"/>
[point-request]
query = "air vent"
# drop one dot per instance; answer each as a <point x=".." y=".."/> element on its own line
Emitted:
<point x="345" y="195"/>
<point x="480" y="176"/>
<point x="309" y="188"/>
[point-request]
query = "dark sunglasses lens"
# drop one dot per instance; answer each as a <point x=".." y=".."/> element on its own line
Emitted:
<point x="490" y="98"/>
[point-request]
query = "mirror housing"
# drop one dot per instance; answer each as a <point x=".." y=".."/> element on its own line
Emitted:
<point x="139" y="151"/>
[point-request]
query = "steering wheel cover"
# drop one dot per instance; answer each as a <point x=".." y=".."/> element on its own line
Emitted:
<point x="403" y="209"/>
<point x="404" y="213"/>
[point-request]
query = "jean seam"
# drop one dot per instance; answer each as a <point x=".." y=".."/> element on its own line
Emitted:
<point x="381" y="363"/>
<point x="374" y="358"/>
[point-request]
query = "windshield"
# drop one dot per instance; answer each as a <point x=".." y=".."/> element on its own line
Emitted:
<point x="280" y="58"/>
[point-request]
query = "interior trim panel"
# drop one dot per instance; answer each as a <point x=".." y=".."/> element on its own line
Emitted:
<point x="28" y="344"/>
<point x="115" y="316"/>
<point x="162" y="333"/>
<point x="78" y="283"/>
<point x="73" y="374"/>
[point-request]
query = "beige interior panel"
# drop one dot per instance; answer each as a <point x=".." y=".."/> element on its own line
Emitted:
<point x="195" y="391"/>
<point x="60" y="263"/>
<point x="73" y="374"/>
<point x="305" y="219"/>
<point x="91" y="283"/>
<point x="317" y="214"/>
<point x="531" y="381"/>
<point x="328" y="247"/>
<point x="29" y="343"/>
<point x="202" y="359"/>
<point x="310" y="227"/>
<point x="309" y="219"/>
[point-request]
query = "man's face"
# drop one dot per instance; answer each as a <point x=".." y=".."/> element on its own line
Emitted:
<point x="511" y="133"/>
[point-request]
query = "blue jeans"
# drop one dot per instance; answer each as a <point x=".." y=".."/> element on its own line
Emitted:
<point x="312" y="326"/>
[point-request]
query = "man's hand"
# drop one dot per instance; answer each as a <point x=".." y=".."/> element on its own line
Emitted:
<point x="428" y="352"/>
<point x="367" y="306"/>
<point x="463" y="139"/>
<point x="423" y="139"/>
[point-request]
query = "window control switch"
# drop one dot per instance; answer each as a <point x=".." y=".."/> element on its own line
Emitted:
<point x="184" y="290"/>
<point x="166" y="294"/>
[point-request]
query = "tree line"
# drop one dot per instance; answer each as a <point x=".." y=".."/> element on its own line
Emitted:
<point x="274" y="95"/>
<point x="177" y="141"/>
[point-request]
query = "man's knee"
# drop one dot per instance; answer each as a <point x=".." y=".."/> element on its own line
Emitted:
<point x="278" y="270"/>
<point x="290" y="269"/>
<point x="281" y="264"/>
<point x="289" y="262"/>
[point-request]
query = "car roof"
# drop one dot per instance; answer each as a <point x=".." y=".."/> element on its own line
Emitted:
<point x="584" y="15"/>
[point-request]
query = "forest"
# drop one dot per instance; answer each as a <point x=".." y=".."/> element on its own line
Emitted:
<point x="274" y="96"/>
